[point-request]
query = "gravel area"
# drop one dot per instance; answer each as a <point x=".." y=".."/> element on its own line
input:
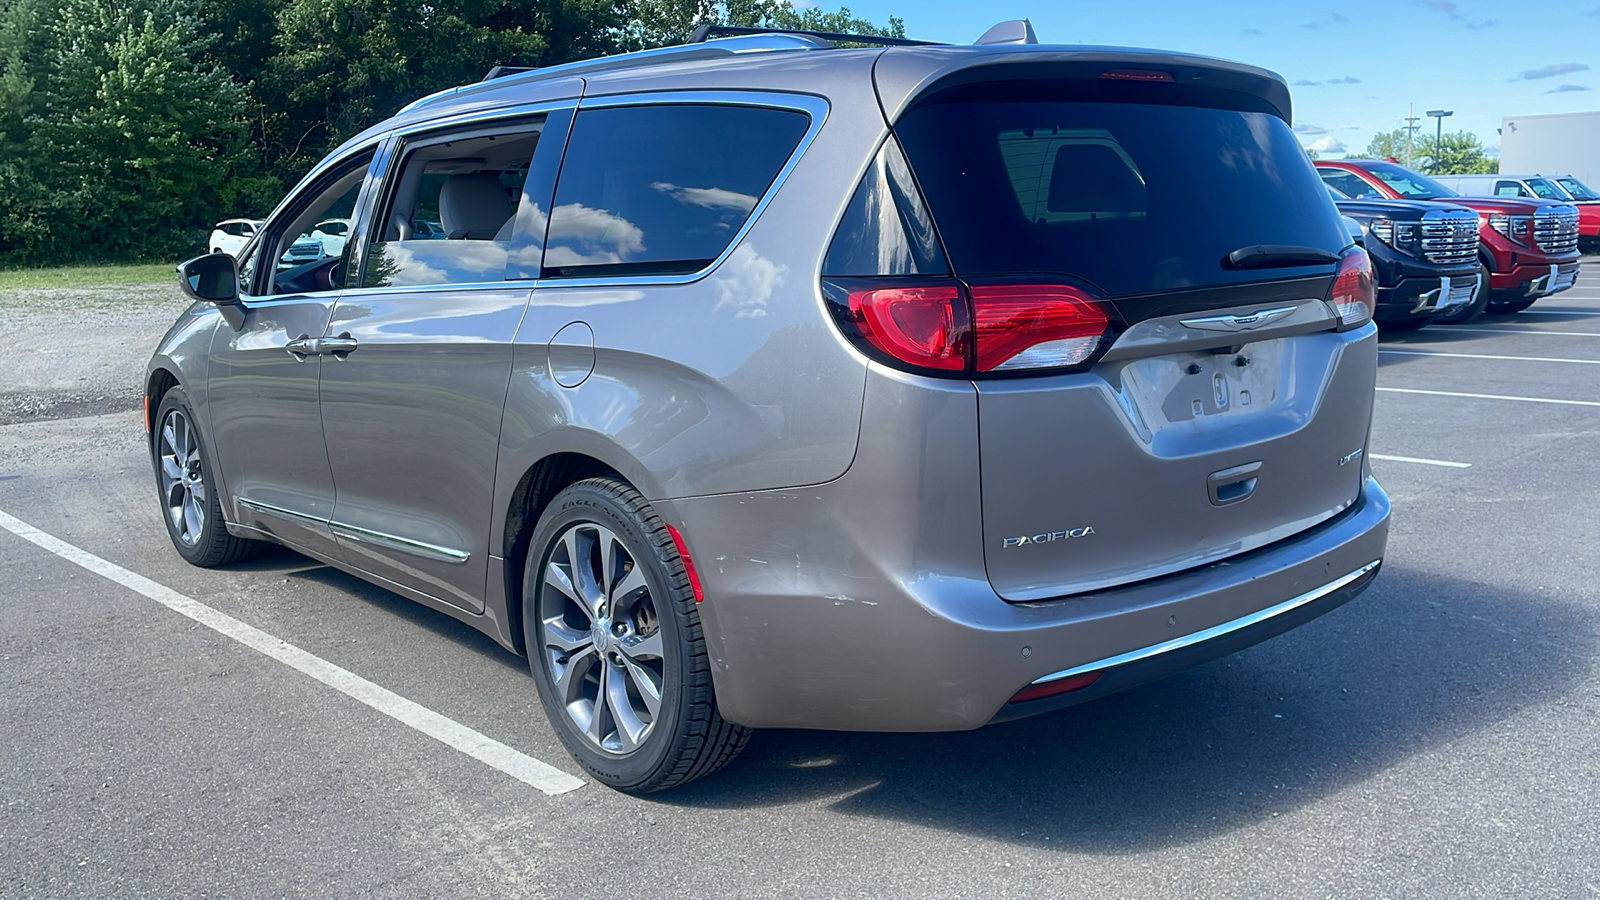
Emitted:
<point x="83" y="350"/>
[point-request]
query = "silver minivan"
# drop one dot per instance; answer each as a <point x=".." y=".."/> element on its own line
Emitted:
<point x="764" y="383"/>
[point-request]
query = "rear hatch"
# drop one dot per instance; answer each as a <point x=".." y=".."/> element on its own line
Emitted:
<point x="1225" y="406"/>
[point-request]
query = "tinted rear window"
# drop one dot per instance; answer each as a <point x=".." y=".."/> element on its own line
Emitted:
<point x="1130" y="197"/>
<point x="662" y="190"/>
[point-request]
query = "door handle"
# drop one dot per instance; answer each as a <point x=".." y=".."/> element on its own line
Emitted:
<point x="304" y="346"/>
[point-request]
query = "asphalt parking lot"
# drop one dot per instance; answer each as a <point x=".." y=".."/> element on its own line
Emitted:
<point x="1435" y="738"/>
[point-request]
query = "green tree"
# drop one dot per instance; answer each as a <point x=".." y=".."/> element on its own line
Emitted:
<point x="1460" y="153"/>
<point x="132" y="146"/>
<point x="1384" y="145"/>
<point x="658" y="23"/>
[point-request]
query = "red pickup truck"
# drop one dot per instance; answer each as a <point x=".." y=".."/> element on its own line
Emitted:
<point x="1527" y="248"/>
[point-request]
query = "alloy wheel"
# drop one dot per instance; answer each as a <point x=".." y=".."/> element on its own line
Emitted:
<point x="183" y="482"/>
<point x="600" y="638"/>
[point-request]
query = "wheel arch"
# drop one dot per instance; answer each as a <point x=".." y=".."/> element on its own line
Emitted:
<point x="539" y="484"/>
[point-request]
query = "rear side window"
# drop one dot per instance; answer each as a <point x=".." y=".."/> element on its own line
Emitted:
<point x="662" y="190"/>
<point x="1130" y="197"/>
<point x="451" y="211"/>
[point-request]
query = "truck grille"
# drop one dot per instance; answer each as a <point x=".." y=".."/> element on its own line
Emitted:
<point x="1555" y="230"/>
<point x="1450" y="238"/>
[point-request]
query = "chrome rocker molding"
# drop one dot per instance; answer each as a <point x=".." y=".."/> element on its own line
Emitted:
<point x="1215" y="631"/>
<point x="365" y="536"/>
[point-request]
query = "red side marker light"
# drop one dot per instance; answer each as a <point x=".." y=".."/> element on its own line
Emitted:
<point x="1059" y="686"/>
<point x="688" y="564"/>
<point x="146" y="413"/>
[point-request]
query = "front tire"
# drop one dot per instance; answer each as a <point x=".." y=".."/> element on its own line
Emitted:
<point x="615" y="645"/>
<point x="185" y="482"/>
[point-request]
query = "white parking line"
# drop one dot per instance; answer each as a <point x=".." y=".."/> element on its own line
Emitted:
<point x="1525" y="331"/>
<point x="1557" y="312"/>
<point x="1547" y="359"/>
<point x="1424" y="462"/>
<point x="479" y="746"/>
<point x="1391" y="390"/>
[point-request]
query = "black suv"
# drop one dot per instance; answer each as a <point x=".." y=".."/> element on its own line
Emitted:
<point x="1424" y="255"/>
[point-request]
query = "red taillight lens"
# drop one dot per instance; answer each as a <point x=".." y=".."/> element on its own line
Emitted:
<point x="923" y="326"/>
<point x="1353" y="295"/>
<point x="1034" y="326"/>
<point x="1053" y="688"/>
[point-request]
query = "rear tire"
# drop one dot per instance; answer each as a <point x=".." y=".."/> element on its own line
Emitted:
<point x="186" y="484"/>
<point x="1474" y="309"/>
<point x="615" y="644"/>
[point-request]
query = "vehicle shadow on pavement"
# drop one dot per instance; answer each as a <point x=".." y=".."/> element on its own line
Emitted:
<point x="356" y="590"/>
<point x="1416" y="662"/>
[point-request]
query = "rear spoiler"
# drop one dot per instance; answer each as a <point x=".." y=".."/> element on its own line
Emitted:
<point x="902" y="77"/>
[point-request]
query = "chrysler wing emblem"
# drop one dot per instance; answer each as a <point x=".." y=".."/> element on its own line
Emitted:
<point x="1245" y="322"/>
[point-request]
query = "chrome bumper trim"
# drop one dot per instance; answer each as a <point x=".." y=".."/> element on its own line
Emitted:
<point x="1215" y="631"/>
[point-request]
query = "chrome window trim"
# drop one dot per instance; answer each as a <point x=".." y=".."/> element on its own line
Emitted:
<point x="1214" y="631"/>
<point x="404" y="545"/>
<point x="813" y="106"/>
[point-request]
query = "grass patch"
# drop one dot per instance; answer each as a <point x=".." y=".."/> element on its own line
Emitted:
<point x="86" y="276"/>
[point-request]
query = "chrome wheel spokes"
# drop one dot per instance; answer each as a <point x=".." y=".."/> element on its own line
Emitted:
<point x="183" y="485"/>
<point x="600" y="638"/>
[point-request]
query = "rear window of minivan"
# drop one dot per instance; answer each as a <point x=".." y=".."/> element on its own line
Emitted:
<point x="1130" y="197"/>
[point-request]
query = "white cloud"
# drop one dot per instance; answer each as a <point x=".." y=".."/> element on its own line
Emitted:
<point x="1549" y="71"/>
<point x="1308" y="128"/>
<point x="1327" y="144"/>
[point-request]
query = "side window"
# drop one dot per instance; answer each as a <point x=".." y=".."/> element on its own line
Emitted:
<point x="303" y="260"/>
<point x="662" y="190"/>
<point x="1347" y="183"/>
<point x="1509" y="189"/>
<point x="451" y="211"/>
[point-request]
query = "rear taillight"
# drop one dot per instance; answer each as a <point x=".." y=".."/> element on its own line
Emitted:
<point x="923" y="326"/>
<point x="1034" y="326"/>
<point x="1353" y="295"/>
<point x="972" y="330"/>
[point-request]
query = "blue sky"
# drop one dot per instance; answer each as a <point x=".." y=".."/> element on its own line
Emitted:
<point x="1352" y="66"/>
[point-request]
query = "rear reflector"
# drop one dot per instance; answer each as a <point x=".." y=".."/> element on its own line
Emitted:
<point x="923" y="326"/>
<point x="688" y="564"/>
<point x="1033" y="326"/>
<point x="1053" y="688"/>
<point x="1354" y="295"/>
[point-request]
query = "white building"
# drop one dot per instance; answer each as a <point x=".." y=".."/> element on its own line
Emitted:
<point x="1560" y="144"/>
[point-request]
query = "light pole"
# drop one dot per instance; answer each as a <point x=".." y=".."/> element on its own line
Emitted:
<point x="1438" y="115"/>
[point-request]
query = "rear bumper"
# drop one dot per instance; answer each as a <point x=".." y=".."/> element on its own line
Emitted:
<point x="840" y="607"/>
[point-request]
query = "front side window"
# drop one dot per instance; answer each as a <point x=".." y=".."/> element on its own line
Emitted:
<point x="303" y="259"/>
<point x="663" y="190"/>
<point x="451" y="211"/>
<point x="1509" y="189"/>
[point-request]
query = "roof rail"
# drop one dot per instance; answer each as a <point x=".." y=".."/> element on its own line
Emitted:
<point x="707" y="32"/>
<point x="501" y="71"/>
<point x="776" y="41"/>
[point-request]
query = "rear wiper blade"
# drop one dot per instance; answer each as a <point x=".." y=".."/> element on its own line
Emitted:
<point x="1267" y="256"/>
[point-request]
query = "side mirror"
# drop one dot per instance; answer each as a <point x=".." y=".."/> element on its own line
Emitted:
<point x="214" y="278"/>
